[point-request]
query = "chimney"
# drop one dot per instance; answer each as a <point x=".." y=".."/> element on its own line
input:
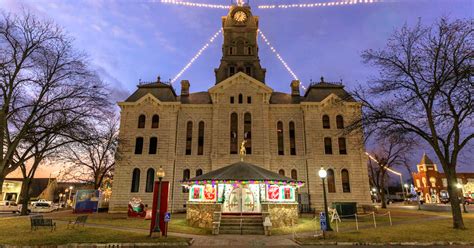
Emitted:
<point x="185" y="88"/>
<point x="295" y="88"/>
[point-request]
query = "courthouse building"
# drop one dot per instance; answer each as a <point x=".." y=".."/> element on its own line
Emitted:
<point x="193" y="133"/>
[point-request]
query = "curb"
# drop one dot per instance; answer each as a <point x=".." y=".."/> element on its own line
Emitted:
<point x="107" y="245"/>
<point x="436" y="243"/>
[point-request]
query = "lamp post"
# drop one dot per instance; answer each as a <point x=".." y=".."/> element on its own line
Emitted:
<point x="459" y="186"/>
<point x="160" y="174"/>
<point x="374" y="193"/>
<point x="406" y="189"/>
<point x="70" y="194"/>
<point x="67" y="200"/>
<point x="323" y="174"/>
<point x="60" y="199"/>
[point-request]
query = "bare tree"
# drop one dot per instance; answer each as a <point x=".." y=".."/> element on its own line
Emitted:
<point x="93" y="160"/>
<point x="391" y="152"/>
<point x="50" y="96"/>
<point x="425" y="89"/>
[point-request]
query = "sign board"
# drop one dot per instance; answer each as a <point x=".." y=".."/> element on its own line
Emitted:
<point x="322" y="221"/>
<point x="167" y="217"/>
<point x="86" y="201"/>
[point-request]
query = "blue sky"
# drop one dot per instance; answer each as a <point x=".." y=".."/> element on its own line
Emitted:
<point x="128" y="40"/>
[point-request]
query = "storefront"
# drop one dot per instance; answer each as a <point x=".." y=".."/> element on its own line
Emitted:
<point x="241" y="188"/>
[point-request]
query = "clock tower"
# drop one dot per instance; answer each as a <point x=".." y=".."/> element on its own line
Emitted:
<point x="240" y="49"/>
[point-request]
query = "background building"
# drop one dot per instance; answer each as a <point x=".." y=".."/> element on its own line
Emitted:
<point x="433" y="184"/>
<point x="193" y="133"/>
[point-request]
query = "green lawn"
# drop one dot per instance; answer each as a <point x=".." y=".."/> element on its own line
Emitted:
<point x="17" y="232"/>
<point x="309" y="224"/>
<point x="422" y="231"/>
<point x="177" y="224"/>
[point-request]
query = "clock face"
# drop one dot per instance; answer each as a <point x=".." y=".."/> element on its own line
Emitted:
<point x="240" y="16"/>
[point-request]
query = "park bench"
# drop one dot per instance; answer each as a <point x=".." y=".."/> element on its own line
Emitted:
<point x="80" y="220"/>
<point x="39" y="221"/>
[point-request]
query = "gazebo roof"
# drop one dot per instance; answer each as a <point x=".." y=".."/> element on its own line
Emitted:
<point x="242" y="171"/>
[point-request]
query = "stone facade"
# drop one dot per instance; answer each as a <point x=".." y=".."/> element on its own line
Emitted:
<point x="281" y="214"/>
<point x="201" y="214"/>
<point x="272" y="146"/>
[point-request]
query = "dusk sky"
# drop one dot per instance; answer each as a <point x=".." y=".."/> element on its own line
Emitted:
<point x="128" y="40"/>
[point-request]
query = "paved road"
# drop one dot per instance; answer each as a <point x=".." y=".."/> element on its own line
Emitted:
<point x="430" y="207"/>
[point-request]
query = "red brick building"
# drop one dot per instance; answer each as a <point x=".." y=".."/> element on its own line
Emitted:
<point x="433" y="184"/>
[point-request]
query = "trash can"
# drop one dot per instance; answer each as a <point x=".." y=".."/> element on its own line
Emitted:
<point x="345" y="209"/>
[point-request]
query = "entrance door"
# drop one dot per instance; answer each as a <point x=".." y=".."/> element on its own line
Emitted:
<point x="242" y="199"/>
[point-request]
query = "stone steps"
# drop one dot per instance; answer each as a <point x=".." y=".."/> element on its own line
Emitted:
<point x="246" y="224"/>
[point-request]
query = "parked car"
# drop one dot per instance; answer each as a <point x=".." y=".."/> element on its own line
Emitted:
<point x="39" y="207"/>
<point x="8" y="206"/>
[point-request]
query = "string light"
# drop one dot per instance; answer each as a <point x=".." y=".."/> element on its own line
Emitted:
<point x="197" y="55"/>
<point x="191" y="4"/>
<point x="279" y="57"/>
<point x="316" y="5"/>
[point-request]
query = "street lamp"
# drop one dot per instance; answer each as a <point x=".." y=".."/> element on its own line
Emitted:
<point x="70" y="193"/>
<point x="160" y="174"/>
<point x="374" y="194"/>
<point x="323" y="174"/>
<point x="459" y="186"/>
<point x="60" y="199"/>
<point x="406" y="189"/>
<point x="67" y="201"/>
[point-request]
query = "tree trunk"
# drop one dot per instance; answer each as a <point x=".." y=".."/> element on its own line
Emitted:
<point x="382" y="190"/>
<point x="453" y="191"/>
<point x="2" y="179"/>
<point x="25" y="195"/>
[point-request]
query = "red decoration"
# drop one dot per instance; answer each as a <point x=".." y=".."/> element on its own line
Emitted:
<point x="287" y="193"/>
<point x="273" y="192"/>
<point x="209" y="192"/>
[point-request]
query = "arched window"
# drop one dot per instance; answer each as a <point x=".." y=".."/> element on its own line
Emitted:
<point x="232" y="100"/>
<point x="331" y="181"/>
<point x="327" y="145"/>
<point x="342" y="145"/>
<point x="201" y="138"/>
<point x="241" y="99"/>
<point x="198" y="172"/>
<point x="249" y="99"/>
<point x="346" y="186"/>
<point x="150" y="180"/>
<point x="281" y="148"/>
<point x="234" y="127"/>
<point x="292" y="139"/>
<point x="248" y="132"/>
<point x="326" y="123"/>
<point x="135" y="180"/>
<point x="153" y="145"/>
<point x="294" y="174"/>
<point x="186" y="176"/>
<point x="141" y="121"/>
<point x="281" y="172"/>
<point x="155" y="121"/>
<point x="189" y="137"/>
<point x="138" y="145"/>
<point x="339" y="122"/>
